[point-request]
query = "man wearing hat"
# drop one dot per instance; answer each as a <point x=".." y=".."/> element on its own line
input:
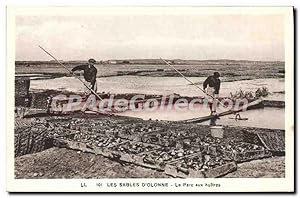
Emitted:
<point x="212" y="87"/>
<point x="89" y="73"/>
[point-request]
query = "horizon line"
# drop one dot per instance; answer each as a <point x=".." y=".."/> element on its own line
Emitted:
<point x="178" y="59"/>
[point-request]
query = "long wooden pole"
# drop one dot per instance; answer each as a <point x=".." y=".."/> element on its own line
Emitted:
<point x="71" y="73"/>
<point x="193" y="82"/>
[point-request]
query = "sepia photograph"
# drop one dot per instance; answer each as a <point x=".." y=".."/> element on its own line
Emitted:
<point x="150" y="99"/>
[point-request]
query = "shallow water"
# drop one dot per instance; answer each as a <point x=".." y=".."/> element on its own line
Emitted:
<point x="272" y="118"/>
<point x="265" y="118"/>
<point x="170" y="114"/>
<point x="159" y="85"/>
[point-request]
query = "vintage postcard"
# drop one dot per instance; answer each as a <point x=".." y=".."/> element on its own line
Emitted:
<point x="150" y="99"/>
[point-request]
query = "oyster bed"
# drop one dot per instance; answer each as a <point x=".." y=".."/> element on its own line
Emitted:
<point x="177" y="149"/>
<point x="190" y="153"/>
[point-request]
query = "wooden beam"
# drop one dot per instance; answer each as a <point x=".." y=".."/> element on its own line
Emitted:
<point x="224" y="113"/>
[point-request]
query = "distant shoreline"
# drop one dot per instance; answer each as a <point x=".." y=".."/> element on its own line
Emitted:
<point x="149" y="61"/>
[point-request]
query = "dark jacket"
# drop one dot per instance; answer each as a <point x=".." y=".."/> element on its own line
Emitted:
<point x="212" y="82"/>
<point x="89" y="74"/>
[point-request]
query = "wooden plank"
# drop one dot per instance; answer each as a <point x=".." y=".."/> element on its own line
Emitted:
<point x="221" y="170"/>
<point x="274" y="103"/>
<point x="205" y="118"/>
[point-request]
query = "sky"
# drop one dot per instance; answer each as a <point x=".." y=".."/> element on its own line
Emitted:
<point x="104" y="37"/>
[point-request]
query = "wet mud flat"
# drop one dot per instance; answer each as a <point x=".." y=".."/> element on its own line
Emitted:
<point x="123" y="144"/>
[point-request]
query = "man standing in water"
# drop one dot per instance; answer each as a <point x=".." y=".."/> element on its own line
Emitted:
<point x="212" y="87"/>
<point x="89" y="73"/>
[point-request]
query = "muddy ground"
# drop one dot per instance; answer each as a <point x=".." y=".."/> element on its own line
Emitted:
<point x="65" y="163"/>
<point x="270" y="167"/>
